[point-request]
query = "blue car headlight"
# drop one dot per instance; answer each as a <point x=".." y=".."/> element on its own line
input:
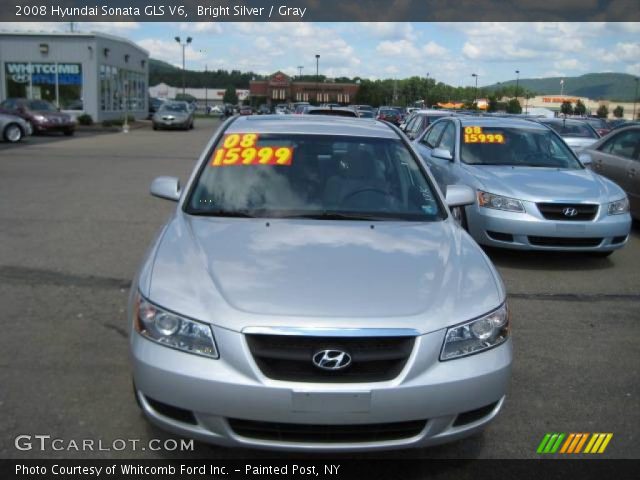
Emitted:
<point x="619" y="206"/>
<point x="498" y="202"/>
<point x="174" y="331"/>
<point x="477" y="335"/>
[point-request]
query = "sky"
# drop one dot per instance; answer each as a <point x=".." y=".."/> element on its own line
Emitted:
<point x="448" y="52"/>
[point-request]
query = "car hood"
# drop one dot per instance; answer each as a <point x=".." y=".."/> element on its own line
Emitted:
<point x="171" y="115"/>
<point x="238" y="273"/>
<point x="579" y="142"/>
<point x="63" y="117"/>
<point x="544" y="184"/>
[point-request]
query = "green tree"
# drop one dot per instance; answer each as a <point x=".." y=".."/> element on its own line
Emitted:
<point x="230" y="96"/>
<point x="492" y="104"/>
<point x="566" y="107"/>
<point x="580" y="108"/>
<point x="618" y="112"/>
<point x="602" y="112"/>
<point x="513" y="106"/>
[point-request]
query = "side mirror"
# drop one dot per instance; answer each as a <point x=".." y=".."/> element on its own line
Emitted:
<point x="585" y="159"/>
<point x="167" y="188"/>
<point x="460" y="195"/>
<point x="442" y="153"/>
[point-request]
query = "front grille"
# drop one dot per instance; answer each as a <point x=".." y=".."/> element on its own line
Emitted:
<point x="294" y="432"/>
<point x="564" y="242"/>
<point x="555" y="211"/>
<point x="289" y="357"/>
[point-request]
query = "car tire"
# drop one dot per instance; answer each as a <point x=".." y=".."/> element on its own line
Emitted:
<point x="155" y="127"/>
<point x="191" y="126"/>
<point x="69" y="132"/>
<point x="460" y="216"/>
<point x="13" y="133"/>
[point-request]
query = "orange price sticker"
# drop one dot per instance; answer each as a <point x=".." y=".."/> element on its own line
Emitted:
<point x="476" y="135"/>
<point x="224" y="157"/>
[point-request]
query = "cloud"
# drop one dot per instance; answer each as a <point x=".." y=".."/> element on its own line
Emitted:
<point x="432" y="49"/>
<point x="633" y="69"/>
<point x="170" y="51"/>
<point x="392" y="48"/>
<point x="387" y="30"/>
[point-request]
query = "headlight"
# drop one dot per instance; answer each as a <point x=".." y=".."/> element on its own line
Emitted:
<point x="489" y="200"/>
<point x="174" y="331"/>
<point x="619" y="207"/>
<point x="40" y="118"/>
<point x="477" y="335"/>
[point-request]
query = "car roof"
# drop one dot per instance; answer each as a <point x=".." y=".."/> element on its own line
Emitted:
<point x="312" y="125"/>
<point x="499" y="122"/>
<point x="562" y="120"/>
<point x="426" y="113"/>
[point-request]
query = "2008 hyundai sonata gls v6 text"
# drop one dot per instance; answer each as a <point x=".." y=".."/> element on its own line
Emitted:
<point x="311" y="291"/>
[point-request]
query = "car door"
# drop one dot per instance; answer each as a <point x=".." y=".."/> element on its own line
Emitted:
<point x="427" y="143"/>
<point x="614" y="158"/>
<point x="443" y="168"/>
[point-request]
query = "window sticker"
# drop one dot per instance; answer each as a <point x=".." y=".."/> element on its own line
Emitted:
<point x="476" y="135"/>
<point x="241" y="149"/>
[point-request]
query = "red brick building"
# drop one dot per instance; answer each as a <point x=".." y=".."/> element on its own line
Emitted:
<point x="280" y="88"/>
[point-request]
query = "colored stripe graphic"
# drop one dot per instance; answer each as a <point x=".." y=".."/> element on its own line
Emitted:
<point x="598" y="442"/>
<point x="550" y="443"/>
<point x="572" y="443"/>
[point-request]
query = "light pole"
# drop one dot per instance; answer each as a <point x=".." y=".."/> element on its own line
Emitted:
<point x="517" y="82"/>
<point x="635" y="99"/>
<point x="300" y="67"/>
<point x="183" y="45"/>
<point x="475" y="95"/>
<point x="317" y="77"/>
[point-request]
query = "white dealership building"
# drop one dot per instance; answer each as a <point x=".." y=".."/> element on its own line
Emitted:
<point x="98" y="74"/>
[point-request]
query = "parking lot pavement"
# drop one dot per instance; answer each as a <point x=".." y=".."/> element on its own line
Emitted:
<point x="76" y="217"/>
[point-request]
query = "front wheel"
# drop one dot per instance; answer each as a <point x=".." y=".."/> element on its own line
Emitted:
<point x="12" y="133"/>
<point x="460" y="216"/>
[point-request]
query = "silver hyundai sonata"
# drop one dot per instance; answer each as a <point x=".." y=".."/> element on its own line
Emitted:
<point x="311" y="291"/>
<point x="532" y="191"/>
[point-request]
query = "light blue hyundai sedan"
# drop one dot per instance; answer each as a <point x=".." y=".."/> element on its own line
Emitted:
<point x="311" y="291"/>
<point x="532" y="192"/>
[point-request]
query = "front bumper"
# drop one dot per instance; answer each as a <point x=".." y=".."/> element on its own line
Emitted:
<point x="233" y="387"/>
<point x="531" y="231"/>
<point x="53" y="127"/>
<point x="171" y="124"/>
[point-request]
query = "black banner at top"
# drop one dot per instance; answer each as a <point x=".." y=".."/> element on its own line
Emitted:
<point x="319" y="10"/>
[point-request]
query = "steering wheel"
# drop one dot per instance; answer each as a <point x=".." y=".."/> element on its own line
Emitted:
<point x="364" y="190"/>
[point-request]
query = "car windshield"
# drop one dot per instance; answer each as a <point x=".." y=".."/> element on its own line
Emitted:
<point x="365" y="114"/>
<point x="520" y="146"/>
<point x="41" y="106"/>
<point x="572" y="129"/>
<point x="313" y="176"/>
<point x="173" y="107"/>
